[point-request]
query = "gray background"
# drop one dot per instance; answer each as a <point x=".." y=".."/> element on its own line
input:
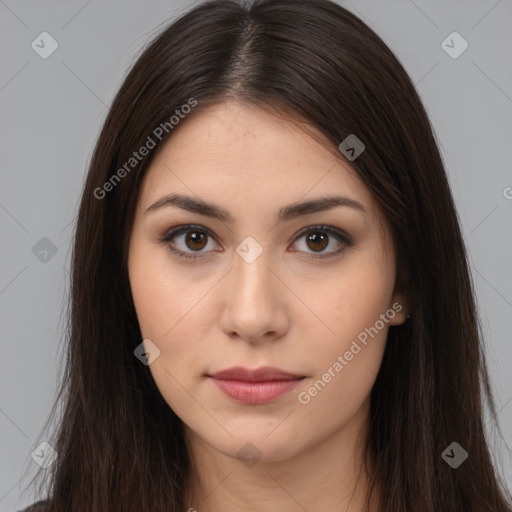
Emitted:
<point x="52" y="111"/>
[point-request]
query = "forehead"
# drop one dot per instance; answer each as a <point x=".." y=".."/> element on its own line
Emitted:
<point x="242" y="156"/>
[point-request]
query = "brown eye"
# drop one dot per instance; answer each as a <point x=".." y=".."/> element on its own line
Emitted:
<point x="318" y="238"/>
<point x="196" y="240"/>
<point x="188" y="241"/>
<point x="317" y="241"/>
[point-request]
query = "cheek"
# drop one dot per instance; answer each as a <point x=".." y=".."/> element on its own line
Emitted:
<point x="347" y="360"/>
<point x="363" y="291"/>
<point x="163" y="298"/>
<point x="164" y="306"/>
<point x="170" y="312"/>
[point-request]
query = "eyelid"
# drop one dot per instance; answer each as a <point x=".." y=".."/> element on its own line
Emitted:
<point x="338" y="233"/>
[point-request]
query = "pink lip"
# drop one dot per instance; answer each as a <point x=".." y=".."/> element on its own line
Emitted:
<point x="255" y="386"/>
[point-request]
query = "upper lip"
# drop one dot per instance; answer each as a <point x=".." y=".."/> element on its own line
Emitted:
<point x="265" y="373"/>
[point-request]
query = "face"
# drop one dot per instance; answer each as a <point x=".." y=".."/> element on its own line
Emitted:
<point x="308" y="291"/>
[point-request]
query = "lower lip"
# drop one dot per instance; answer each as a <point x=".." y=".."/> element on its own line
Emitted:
<point x="255" y="393"/>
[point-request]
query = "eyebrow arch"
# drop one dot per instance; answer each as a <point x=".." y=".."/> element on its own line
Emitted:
<point x="286" y="213"/>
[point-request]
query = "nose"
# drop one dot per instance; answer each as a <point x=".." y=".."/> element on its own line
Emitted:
<point x="254" y="301"/>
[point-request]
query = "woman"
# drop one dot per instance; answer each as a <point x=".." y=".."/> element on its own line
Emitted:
<point x="271" y="307"/>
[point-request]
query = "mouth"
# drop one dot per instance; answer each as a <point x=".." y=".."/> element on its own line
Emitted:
<point x="255" y="387"/>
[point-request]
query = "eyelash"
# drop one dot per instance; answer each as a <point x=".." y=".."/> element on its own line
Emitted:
<point x="336" y="233"/>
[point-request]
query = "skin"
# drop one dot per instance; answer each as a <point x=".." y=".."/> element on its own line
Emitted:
<point x="281" y="310"/>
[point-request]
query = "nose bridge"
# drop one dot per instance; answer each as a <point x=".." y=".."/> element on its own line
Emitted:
<point x="251" y="300"/>
<point x="251" y="272"/>
<point x="253" y="310"/>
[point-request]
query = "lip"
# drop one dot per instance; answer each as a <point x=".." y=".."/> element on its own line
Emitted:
<point x="262" y="374"/>
<point x="254" y="387"/>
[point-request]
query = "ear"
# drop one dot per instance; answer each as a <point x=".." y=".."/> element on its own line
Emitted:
<point x="399" y="305"/>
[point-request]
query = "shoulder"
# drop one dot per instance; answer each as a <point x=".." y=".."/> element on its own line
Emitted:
<point x="40" y="506"/>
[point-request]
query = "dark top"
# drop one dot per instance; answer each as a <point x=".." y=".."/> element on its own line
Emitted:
<point x="40" y="506"/>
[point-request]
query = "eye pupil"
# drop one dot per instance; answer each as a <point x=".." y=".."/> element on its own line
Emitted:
<point x="319" y="242"/>
<point x="192" y="237"/>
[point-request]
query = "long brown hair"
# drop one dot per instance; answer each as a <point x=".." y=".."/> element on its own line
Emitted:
<point x="120" y="446"/>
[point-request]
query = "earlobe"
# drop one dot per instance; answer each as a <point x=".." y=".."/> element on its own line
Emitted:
<point x="400" y="310"/>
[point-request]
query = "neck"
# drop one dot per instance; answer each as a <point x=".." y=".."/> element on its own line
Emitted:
<point x="328" y="476"/>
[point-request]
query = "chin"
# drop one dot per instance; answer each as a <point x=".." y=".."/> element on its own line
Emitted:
<point x="251" y="443"/>
<point x="250" y="450"/>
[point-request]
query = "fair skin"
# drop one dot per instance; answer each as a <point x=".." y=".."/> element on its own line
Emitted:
<point x="283" y="309"/>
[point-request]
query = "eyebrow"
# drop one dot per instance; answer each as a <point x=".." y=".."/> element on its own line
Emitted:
<point x="286" y="213"/>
